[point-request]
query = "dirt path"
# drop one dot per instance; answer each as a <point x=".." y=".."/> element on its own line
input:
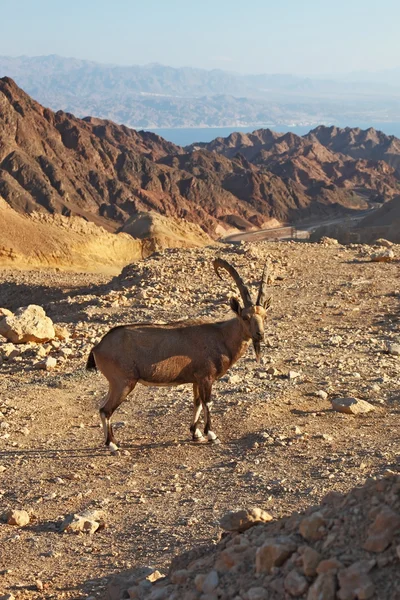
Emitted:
<point x="283" y="447"/>
<point x="298" y="232"/>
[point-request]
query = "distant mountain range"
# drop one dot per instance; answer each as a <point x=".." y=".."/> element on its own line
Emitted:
<point x="59" y="164"/>
<point x="154" y="95"/>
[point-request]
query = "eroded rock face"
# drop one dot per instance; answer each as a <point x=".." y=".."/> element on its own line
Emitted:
<point x="94" y="167"/>
<point x="27" y="324"/>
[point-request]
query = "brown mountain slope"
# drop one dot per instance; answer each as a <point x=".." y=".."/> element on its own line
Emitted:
<point x="107" y="173"/>
<point x="315" y="166"/>
<point x="386" y="220"/>
<point x="104" y="172"/>
<point x="262" y="195"/>
<point x="359" y="143"/>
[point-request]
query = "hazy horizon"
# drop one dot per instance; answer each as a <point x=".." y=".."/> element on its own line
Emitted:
<point x="188" y="66"/>
<point x="265" y="38"/>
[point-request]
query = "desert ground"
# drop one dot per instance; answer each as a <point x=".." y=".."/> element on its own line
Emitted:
<point x="333" y="318"/>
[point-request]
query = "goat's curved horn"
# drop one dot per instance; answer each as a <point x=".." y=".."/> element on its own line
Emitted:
<point x="220" y="263"/>
<point x="262" y="292"/>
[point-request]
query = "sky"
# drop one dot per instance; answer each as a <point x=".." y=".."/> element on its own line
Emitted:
<point x="247" y="36"/>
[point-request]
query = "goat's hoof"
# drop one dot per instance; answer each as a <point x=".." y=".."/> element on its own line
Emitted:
<point x="198" y="440"/>
<point x="214" y="441"/>
<point x="113" y="447"/>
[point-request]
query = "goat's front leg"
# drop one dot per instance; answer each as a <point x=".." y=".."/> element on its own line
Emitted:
<point x="205" y="395"/>
<point x="197" y="436"/>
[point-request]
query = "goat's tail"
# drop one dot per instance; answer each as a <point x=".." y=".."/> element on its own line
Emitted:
<point x="91" y="363"/>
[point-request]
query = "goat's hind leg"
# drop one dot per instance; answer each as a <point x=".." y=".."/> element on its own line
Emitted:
<point x="205" y="395"/>
<point x="115" y="396"/>
<point x="197" y="436"/>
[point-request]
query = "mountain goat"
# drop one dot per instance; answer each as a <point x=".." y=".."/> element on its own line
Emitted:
<point x="196" y="352"/>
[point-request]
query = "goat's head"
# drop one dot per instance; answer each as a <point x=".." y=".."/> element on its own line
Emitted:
<point x="252" y="315"/>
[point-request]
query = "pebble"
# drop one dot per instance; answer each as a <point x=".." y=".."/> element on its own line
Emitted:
<point x="293" y="374"/>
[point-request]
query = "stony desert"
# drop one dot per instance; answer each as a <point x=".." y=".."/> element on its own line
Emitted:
<point x="318" y="488"/>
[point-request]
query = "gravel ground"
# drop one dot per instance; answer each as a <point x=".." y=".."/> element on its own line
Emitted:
<point x="333" y="315"/>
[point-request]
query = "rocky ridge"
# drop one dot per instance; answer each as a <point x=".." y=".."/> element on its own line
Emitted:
<point x="107" y="173"/>
<point x="365" y="161"/>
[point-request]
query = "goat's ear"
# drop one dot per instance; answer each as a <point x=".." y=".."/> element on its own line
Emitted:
<point x="235" y="306"/>
<point x="267" y="303"/>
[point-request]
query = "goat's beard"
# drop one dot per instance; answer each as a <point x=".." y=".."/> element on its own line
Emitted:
<point x="257" y="349"/>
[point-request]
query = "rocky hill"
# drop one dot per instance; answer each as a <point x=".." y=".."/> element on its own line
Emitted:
<point x="327" y="158"/>
<point x="108" y="173"/>
<point x="357" y="143"/>
<point x="43" y="241"/>
<point x="385" y="222"/>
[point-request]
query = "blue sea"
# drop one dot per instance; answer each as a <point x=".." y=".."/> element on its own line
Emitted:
<point x="184" y="137"/>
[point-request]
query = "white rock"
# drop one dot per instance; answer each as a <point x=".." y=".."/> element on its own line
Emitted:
<point x="87" y="522"/>
<point x="47" y="364"/>
<point x="293" y="374"/>
<point x="394" y="349"/>
<point x="210" y="582"/>
<point x="28" y="324"/>
<point x="383" y="256"/>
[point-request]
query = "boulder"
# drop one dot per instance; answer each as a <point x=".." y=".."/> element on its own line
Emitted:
<point x="393" y="348"/>
<point x="244" y="519"/>
<point x="312" y="528"/>
<point x="383" y="256"/>
<point x="273" y="553"/>
<point x="88" y="521"/>
<point x="323" y="588"/>
<point x="351" y="406"/>
<point x="295" y="583"/>
<point x="20" y="518"/>
<point x="48" y="364"/>
<point x="381" y="532"/>
<point x="28" y="324"/>
<point x="355" y="582"/>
